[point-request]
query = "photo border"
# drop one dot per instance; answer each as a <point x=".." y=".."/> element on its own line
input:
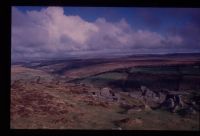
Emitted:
<point x="6" y="61"/>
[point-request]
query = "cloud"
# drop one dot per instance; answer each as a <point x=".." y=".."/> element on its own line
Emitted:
<point x="51" y="33"/>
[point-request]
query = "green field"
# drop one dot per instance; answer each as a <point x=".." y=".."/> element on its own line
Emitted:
<point x="191" y="70"/>
<point x="105" y="78"/>
<point x="157" y="77"/>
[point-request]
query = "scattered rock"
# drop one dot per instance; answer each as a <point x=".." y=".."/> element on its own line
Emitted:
<point x="161" y="97"/>
<point x="173" y="102"/>
<point x="151" y="98"/>
<point x="143" y="88"/>
<point x="146" y="92"/>
<point x="170" y="103"/>
<point x="105" y="92"/>
<point x="147" y="108"/>
<point x="195" y="106"/>
<point x="178" y="100"/>
<point x="136" y="94"/>
<point x="150" y="93"/>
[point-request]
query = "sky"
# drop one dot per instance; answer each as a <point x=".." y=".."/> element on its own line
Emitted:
<point x="62" y="32"/>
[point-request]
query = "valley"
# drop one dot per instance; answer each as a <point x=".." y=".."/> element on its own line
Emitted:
<point x="144" y="92"/>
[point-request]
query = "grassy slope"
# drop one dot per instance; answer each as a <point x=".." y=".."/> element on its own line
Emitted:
<point x="66" y="106"/>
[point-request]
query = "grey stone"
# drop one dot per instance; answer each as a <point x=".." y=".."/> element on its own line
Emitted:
<point x="175" y="109"/>
<point x="149" y="93"/>
<point x="162" y="97"/>
<point x="179" y="100"/>
<point x="170" y="103"/>
<point x="195" y="106"/>
<point x="105" y="92"/>
<point x="116" y="97"/>
<point x="136" y="95"/>
<point x="143" y="88"/>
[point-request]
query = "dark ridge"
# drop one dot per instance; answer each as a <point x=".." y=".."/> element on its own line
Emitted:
<point x="167" y="55"/>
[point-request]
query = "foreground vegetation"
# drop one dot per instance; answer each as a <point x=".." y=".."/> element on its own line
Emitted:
<point x="49" y="102"/>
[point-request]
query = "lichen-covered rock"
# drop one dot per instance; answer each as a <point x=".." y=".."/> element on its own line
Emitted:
<point x="108" y="94"/>
<point x="105" y="92"/>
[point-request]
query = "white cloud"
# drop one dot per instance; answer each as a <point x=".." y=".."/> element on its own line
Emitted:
<point x="51" y="33"/>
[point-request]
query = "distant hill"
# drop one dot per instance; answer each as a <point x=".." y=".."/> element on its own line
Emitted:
<point x="166" y="55"/>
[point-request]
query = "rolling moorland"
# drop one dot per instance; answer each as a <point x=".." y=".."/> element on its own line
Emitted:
<point x="137" y="92"/>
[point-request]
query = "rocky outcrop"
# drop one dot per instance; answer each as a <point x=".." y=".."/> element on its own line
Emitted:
<point x="170" y="100"/>
<point x="169" y="104"/>
<point x="150" y="97"/>
<point x="106" y="94"/>
<point x="136" y="94"/>
<point x="173" y="102"/>
<point x="146" y="92"/>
